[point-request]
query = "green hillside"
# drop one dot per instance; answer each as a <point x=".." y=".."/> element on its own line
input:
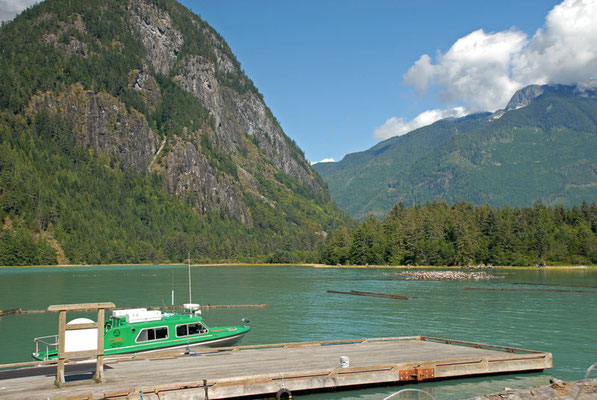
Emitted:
<point x="546" y="150"/>
<point x="110" y="152"/>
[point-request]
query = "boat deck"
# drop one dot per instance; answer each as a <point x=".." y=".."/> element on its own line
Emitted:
<point x="264" y="370"/>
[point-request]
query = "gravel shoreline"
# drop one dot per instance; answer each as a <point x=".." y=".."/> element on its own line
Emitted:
<point x="446" y="275"/>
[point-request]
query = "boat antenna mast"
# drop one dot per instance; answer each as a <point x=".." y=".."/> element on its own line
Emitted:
<point x="190" y="306"/>
<point x="189" y="257"/>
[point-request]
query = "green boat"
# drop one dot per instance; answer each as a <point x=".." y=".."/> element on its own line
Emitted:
<point x="140" y="330"/>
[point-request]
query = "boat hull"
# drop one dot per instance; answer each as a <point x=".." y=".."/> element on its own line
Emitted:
<point x="214" y="343"/>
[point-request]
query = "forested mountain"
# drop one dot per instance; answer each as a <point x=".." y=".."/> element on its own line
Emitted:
<point x="130" y="133"/>
<point x="543" y="146"/>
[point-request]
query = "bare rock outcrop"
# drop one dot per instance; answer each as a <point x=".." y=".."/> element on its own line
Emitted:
<point x="154" y="28"/>
<point x="524" y="96"/>
<point x="103" y="123"/>
<point x="145" y="84"/>
<point x="188" y="173"/>
<point x="237" y="115"/>
<point x="62" y="37"/>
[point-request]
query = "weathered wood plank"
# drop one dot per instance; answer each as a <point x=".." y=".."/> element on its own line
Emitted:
<point x="75" y="327"/>
<point x="264" y="369"/>
<point x="79" y="307"/>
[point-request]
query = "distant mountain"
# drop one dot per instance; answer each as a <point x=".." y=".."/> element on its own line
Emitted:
<point x="129" y="132"/>
<point x="543" y="146"/>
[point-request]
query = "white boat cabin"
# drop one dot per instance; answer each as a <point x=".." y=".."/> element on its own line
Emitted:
<point x="133" y="315"/>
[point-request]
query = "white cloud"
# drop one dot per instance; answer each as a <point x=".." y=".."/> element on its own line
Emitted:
<point x="565" y="49"/>
<point x="481" y="71"/>
<point x="398" y="126"/>
<point x="475" y="70"/>
<point x="10" y="8"/>
<point x="329" y="159"/>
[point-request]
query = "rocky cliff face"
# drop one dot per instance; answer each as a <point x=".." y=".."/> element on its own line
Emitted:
<point x="154" y="28"/>
<point x="216" y="165"/>
<point x="103" y="123"/>
<point x="524" y="96"/>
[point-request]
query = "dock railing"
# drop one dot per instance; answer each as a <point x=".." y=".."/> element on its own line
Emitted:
<point x="49" y="346"/>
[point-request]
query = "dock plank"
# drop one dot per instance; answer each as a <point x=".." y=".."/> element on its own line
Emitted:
<point x="251" y="370"/>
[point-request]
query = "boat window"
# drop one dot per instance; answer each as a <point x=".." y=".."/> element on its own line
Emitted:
<point x="142" y="336"/>
<point x="161" y="333"/>
<point x="195" y="329"/>
<point x="148" y="334"/>
<point x="181" y="330"/>
<point x="190" y="329"/>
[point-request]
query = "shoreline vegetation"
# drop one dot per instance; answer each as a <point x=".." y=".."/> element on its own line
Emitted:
<point x="312" y="265"/>
<point x="465" y="234"/>
<point x="436" y="234"/>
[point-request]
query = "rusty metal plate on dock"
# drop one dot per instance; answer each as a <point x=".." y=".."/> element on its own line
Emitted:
<point x="406" y="375"/>
<point x="418" y="374"/>
<point x="425" y="373"/>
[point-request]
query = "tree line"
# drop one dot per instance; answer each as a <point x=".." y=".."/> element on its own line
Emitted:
<point x="465" y="234"/>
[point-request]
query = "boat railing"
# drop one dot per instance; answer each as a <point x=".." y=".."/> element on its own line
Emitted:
<point x="50" y="342"/>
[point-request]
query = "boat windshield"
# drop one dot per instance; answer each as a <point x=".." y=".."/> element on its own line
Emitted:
<point x="148" y="334"/>
<point x="195" y="328"/>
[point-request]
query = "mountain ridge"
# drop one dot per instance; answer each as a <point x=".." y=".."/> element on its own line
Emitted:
<point x="484" y="159"/>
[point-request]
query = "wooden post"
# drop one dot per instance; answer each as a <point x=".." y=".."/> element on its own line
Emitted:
<point x="98" y="352"/>
<point x="61" y="345"/>
<point x="99" y="367"/>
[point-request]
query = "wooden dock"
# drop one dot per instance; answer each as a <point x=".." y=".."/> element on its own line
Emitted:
<point x="264" y="370"/>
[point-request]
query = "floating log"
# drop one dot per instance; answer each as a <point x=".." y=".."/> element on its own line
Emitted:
<point x="11" y="311"/>
<point x="548" y="284"/>
<point x="533" y="290"/>
<point x="372" y="294"/>
<point x="32" y="311"/>
<point x="204" y="307"/>
<point x="376" y="279"/>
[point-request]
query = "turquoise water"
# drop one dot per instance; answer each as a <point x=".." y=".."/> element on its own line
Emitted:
<point x="563" y="323"/>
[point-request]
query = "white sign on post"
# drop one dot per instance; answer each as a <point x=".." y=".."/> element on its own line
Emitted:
<point x="82" y="339"/>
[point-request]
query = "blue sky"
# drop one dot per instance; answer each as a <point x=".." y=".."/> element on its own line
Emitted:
<point x="333" y="71"/>
<point x="342" y="75"/>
